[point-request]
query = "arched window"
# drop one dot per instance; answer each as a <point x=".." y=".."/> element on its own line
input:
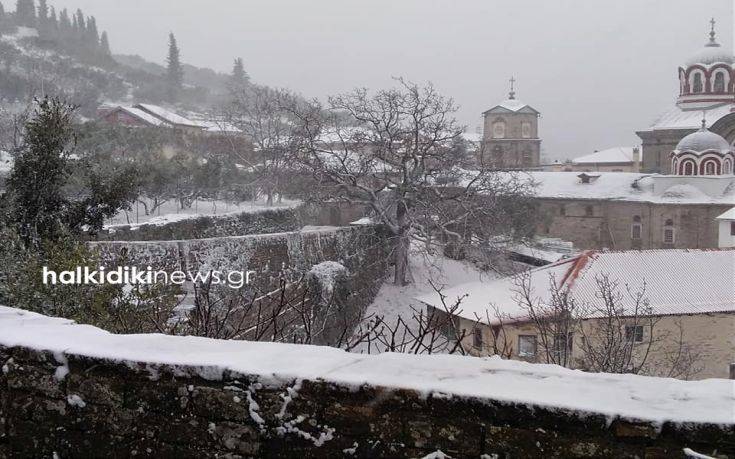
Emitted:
<point x="669" y="232"/>
<point x="719" y="86"/>
<point x="688" y="167"/>
<point x="636" y="229"/>
<point x="697" y="85"/>
<point x="727" y="167"/>
<point x="710" y="166"/>
<point x="499" y="130"/>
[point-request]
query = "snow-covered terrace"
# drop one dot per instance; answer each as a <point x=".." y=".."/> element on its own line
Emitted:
<point x="627" y="396"/>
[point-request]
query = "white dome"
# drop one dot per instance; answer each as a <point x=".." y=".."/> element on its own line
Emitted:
<point x="711" y="54"/>
<point x="703" y="140"/>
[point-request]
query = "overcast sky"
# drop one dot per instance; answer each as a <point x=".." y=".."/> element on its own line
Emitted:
<point x="597" y="70"/>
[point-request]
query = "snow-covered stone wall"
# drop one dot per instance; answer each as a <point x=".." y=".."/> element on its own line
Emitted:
<point x="69" y="390"/>
<point x="198" y="227"/>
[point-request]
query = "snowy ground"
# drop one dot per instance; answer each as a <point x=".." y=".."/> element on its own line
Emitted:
<point x="171" y="212"/>
<point x="394" y="301"/>
<point x="628" y="396"/>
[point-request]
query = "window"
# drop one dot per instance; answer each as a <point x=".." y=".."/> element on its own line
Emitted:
<point x="477" y="338"/>
<point x="563" y="210"/>
<point x="732" y="228"/>
<point x="526" y="130"/>
<point x="697" y="86"/>
<point x="709" y="168"/>
<point x="634" y="333"/>
<point x="719" y="82"/>
<point x="636" y="230"/>
<point x="669" y="233"/>
<point x="589" y="211"/>
<point x="527" y="346"/>
<point x="559" y="347"/>
<point x="499" y="130"/>
<point x="450" y="330"/>
<point x="727" y="168"/>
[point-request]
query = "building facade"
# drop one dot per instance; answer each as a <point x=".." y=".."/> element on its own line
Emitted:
<point x="511" y="135"/>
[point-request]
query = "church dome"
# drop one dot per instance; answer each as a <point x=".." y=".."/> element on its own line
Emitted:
<point x="712" y="53"/>
<point x="703" y="140"/>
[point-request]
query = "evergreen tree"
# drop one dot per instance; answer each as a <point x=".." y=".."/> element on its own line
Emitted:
<point x="65" y="26"/>
<point x="25" y="13"/>
<point x="105" y="45"/>
<point x="42" y="11"/>
<point x="40" y="172"/>
<point x="175" y="73"/>
<point x="239" y="78"/>
<point x="81" y="25"/>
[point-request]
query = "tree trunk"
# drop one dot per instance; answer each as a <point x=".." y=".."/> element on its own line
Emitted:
<point x="403" y="246"/>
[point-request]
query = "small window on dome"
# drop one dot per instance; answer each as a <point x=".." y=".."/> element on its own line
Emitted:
<point x="697" y="86"/>
<point x="719" y="86"/>
<point x="709" y="168"/>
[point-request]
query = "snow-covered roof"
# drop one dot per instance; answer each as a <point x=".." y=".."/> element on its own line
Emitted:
<point x="166" y="115"/>
<point x="141" y="115"/>
<point x="711" y="53"/>
<point x="626" y="186"/>
<point x="676" y="282"/>
<point x="626" y="396"/>
<point x="611" y="155"/>
<point x="729" y="215"/>
<point x="217" y="126"/>
<point x="513" y="105"/>
<point x="676" y="118"/>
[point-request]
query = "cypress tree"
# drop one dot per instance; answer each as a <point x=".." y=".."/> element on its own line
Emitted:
<point x="25" y="13"/>
<point x="105" y="45"/>
<point x="239" y="77"/>
<point x="175" y="73"/>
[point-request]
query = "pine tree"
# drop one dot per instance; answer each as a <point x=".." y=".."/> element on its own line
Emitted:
<point x="25" y="13"/>
<point x="93" y="36"/>
<point x="239" y="78"/>
<point x="65" y="26"/>
<point x="105" y="45"/>
<point x="80" y="22"/>
<point x="175" y="73"/>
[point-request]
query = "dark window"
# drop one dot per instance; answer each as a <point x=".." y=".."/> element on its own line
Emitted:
<point x="697" y="87"/>
<point x="634" y="333"/>
<point x="559" y="347"/>
<point x="589" y="211"/>
<point x="636" y="230"/>
<point x="732" y="228"/>
<point x="719" y="82"/>
<point x="563" y="210"/>
<point x="477" y="341"/>
<point x="527" y="346"/>
<point x="669" y="232"/>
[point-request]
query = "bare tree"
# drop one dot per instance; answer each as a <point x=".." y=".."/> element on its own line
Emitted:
<point x="618" y="331"/>
<point x="398" y="153"/>
<point x="259" y="112"/>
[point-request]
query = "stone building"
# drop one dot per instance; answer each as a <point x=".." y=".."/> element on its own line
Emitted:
<point x="511" y="136"/>
<point x="706" y="84"/>
<point x="684" y="330"/>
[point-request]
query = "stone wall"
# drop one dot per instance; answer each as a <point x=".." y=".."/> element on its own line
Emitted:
<point x="596" y="224"/>
<point x="363" y="250"/>
<point x="67" y="406"/>
<point x="276" y="220"/>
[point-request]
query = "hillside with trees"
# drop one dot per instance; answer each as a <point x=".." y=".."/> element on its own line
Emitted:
<point x="66" y="54"/>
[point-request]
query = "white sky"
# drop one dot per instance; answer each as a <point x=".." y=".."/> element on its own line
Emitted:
<point x="597" y="69"/>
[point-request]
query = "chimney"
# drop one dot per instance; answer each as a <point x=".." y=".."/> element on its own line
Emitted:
<point x="636" y="159"/>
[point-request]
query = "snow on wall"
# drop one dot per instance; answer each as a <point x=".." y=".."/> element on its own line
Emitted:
<point x="146" y="391"/>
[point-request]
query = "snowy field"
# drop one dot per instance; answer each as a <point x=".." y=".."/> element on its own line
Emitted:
<point x="629" y="396"/>
<point x="171" y="211"/>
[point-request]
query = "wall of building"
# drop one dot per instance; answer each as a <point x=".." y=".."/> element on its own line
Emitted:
<point x="727" y="238"/>
<point x="103" y="408"/>
<point x="516" y="151"/>
<point x="707" y="339"/>
<point x="657" y="148"/>
<point x="597" y="224"/>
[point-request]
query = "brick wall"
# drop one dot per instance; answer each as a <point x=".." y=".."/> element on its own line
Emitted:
<point x="106" y="409"/>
